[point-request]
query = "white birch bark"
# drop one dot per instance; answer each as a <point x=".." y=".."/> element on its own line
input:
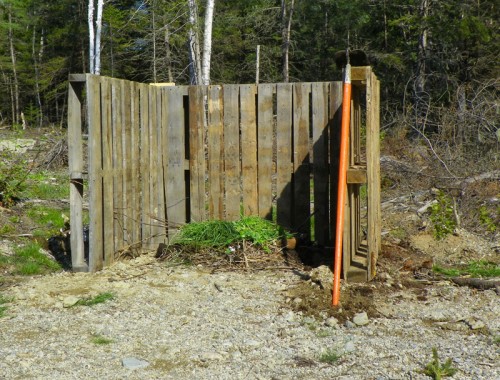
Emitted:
<point x="91" y="36"/>
<point x="207" y="42"/>
<point x="194" y="44"/>
<point x="98" y="37"/>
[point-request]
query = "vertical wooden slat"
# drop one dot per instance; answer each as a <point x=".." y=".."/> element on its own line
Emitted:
<point x="117" y="165"/>
<point x="335" y="113"/>
<point x="215" y="111"/>
<point x="96" y="238"/>
<point x="197" y="152"/>
<point x="159" y="130"/>
<point x="153" y="166"/>
<point x="175" y="186"/>
<point x="284" y="155"/>
<point x="373" y="172"/>
<point x="265" y="149"/>
<point x="145" y="169"/>
<point x="135" y="184"/>
<point x="232" y="152"/>
<point x="320" y="158"/>
<point x="249" y="149"/>
<point x="75" y="163"/>
<point x="301" y="170"/>
<point x="107" y="168"/>
<point x="126" y="93"/>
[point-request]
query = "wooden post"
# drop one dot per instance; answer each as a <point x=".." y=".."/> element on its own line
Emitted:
<point x="75" y="162"/>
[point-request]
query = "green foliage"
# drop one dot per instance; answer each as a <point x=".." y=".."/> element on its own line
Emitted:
<point x="101" y="340"/>
<point x="6" y="229"/>
<point x="3" y="308"/>
<point x="330" y="356"/>
<point x="100" y="298"/>
<point x="13" y="176"/>
<point x="436" y="370"/>
<point x="29" y="260"/>
<point x="442" y="216"/>
<point x="481" y="268"/>
<point x="486" y="220"/>
<point x="218" y="234"/>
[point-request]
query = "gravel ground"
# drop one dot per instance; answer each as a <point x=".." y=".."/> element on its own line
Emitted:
<point x="185" y="323"/>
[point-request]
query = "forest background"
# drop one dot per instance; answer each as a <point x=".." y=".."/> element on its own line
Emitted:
<point x="437" y="60"/>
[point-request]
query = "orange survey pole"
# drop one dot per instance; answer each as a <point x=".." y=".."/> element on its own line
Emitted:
<point x="342" y="180"/>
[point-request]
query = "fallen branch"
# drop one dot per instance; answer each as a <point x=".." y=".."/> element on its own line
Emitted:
<point x="477" y="283"/>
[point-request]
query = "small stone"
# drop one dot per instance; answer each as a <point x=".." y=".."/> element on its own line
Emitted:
<point x="331" y="322"/>
<point x="349" y="325"/>
<point x="297" y="300"/>
<point x="349" y="347"/>
<point x="70" y="301"/>
<point x="361" y="319"/>
<point x="134" y="363"/>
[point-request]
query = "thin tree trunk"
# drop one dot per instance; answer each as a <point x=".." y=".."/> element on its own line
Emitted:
<point x="36" y="63"/>
<point x="286" y="19"/>
<point x="154" y="41"/>
<point x="91" y="37"/>
<point x="257" y="65"/>
<point x="194" y="44"/>
<point x="168" y="54"/>
<point x="420" y="80"/>
<point x="207" y="42"/>
<point x="98" y="37"/>
<point x="15" y="118"/>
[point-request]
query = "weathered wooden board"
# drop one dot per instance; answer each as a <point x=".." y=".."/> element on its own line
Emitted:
<point x="248" y="126"/>
<point x="117" y="165"/>
<point x="107" y="171"/>
<point x="232" y="168"/>
<point x="197" y="152"/>
<point x="301" y="169"/>
<point x="320" y="161"/>
<point x="284" y="120"/>
<point x="145" y="169"/>
<point x="175" y="185"/>
<point x="75" y="163"/>
<point x="265" y="149"/>
<point x="215" y="154"/>
<point x="134" y="162"/>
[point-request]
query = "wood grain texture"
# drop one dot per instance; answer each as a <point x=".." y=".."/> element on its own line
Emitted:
<point x="265" y="149"/>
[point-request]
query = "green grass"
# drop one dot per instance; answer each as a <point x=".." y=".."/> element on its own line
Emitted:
<point x="101" y="340"/>
<point x="330" y="356"/>
<point x="481" y="268"/>
<point x="46" y="185"/>
<point x="100" y="298"/>
<point x="47" y="216"/>
<point x="218" y="234"/>
<point x="436" y="370"/>
<point x="28" y="260"/>
<point x="3" y="308"/>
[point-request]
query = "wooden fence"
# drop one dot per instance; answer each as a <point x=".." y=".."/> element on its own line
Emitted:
<point x="161" y="156"/>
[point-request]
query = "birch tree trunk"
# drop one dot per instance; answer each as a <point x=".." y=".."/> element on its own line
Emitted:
<point x="95" y="36"/>
<point x="98" y="37"/>
<point x="194" y="44"/>
<point x="207" y="42"/>
<point x="286" y="19"/>
<point x="91" y="37"/>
